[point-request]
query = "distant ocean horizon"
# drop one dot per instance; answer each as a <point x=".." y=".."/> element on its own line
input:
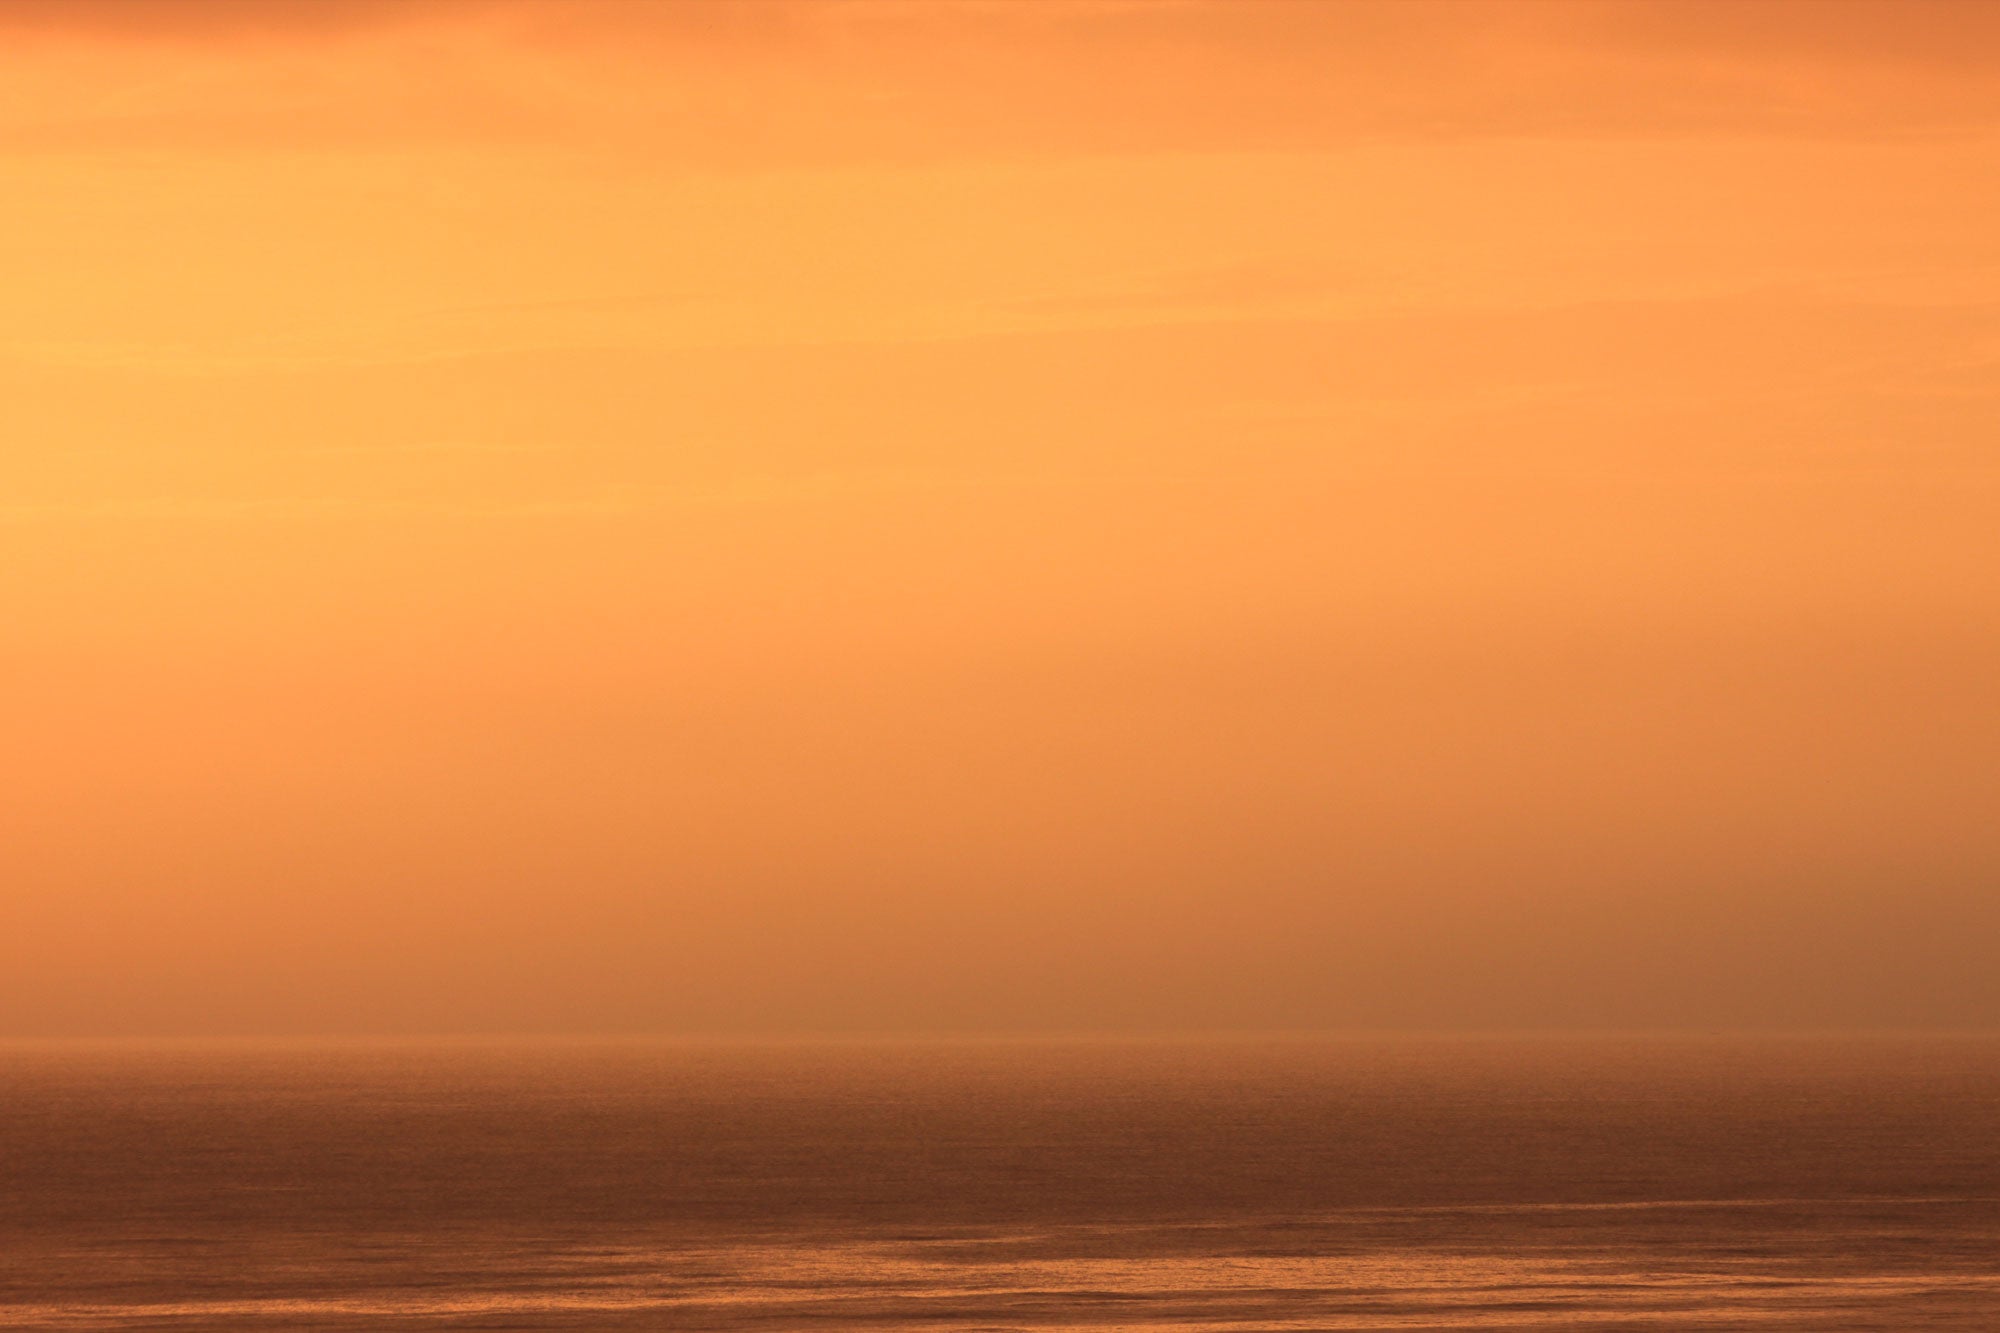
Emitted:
<point x="1287" y="1181"/>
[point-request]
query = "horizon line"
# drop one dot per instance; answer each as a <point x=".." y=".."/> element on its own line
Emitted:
<point x="999" y="1037"/>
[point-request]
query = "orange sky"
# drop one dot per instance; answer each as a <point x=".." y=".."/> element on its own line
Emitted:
<point x="914" y="517"/>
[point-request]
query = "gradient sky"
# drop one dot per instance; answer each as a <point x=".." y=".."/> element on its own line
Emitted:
<point x="1060" y="516"/>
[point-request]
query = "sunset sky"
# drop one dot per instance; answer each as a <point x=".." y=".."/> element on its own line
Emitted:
<point x="1079" y="515"/>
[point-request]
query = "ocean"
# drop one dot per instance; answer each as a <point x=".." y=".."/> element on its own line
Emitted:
<point x="1535" y="1183"/>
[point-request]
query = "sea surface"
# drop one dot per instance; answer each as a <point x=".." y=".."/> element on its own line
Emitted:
<point x="1771" y="1184"/>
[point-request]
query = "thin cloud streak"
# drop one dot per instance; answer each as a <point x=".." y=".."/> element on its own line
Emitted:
<point x="799" y="85"/>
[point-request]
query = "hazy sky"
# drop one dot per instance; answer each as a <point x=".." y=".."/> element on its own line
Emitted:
<point x="879" y="516"/>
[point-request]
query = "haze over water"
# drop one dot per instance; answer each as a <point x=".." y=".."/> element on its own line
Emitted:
<point x="901" y="516"/>
<point x="1297" y="1184"/>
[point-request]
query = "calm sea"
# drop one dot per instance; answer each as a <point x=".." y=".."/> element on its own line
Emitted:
<point x="1724" y="1184"/>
